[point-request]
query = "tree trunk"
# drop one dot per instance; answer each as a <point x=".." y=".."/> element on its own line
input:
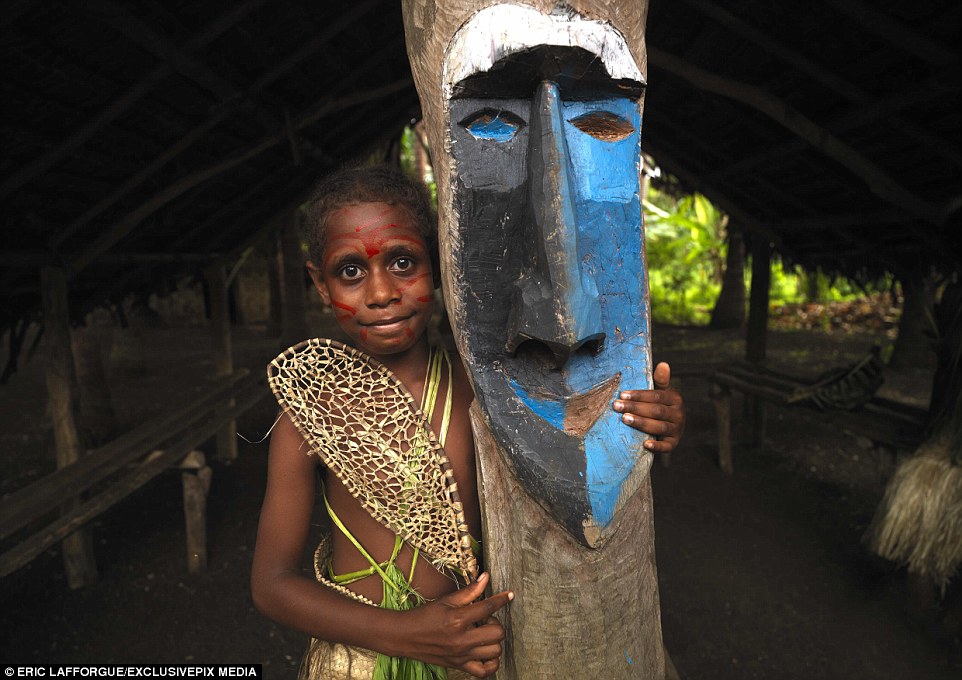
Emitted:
<point x="914" y="344"/>
<point x="758" y="311"/>
<point x="945" y="408"/>
<point x="729" y="311"/>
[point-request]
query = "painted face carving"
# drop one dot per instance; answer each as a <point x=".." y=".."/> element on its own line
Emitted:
<point x="549" y="244"/>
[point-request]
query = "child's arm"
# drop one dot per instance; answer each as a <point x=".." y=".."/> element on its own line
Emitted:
<point x="659" y="412"/>
<point x="443" y="632"/>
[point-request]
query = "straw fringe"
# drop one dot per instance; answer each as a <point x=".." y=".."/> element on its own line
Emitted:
<point x="919" y="521"/>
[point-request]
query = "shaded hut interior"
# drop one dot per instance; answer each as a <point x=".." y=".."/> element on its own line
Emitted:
<point x="147" y="142"/>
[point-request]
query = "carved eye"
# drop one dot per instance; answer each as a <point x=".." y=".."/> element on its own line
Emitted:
<point x="494" y="125"/>
<point x="603" y="125"/>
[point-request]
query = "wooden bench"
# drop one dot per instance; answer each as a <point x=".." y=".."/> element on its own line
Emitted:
<point x="112" y="472"/>
<point x="889" y="425"/>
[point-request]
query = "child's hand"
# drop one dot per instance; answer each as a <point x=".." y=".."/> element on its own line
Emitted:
<point x="659" y="412"/>
<point x="456" y="632"/>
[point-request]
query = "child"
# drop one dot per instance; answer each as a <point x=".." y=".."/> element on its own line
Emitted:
<point x="371" y="247"/>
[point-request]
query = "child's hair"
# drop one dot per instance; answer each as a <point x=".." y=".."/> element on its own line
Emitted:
<point x="368" y="184"/>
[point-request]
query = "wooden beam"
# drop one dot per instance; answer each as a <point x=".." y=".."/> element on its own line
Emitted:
<point x="77" y="546"/>
<point x="112" y="234"/>
<point x="23" y="552"/>
<point x="222" y="350"/>
<point x="14" y="10"/>
<point x="838" y="85"/>
<point x="878" y="181"/>
<point x="872" y="112"/>
<point x="117" y="17"/>
<point x="895" y="33"/>
<point x="855" y="219"/>
<point x="123" y="103"/>
<point x="135" y="30"/>
<point x="33" y="501"/>
<point x="43" y="258"/>
<point x="217" y="115"/>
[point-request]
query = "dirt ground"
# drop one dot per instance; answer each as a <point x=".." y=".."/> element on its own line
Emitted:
<point x="762" y="574"/>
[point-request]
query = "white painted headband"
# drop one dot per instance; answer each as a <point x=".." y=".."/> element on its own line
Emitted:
<point x="497" y="31"/>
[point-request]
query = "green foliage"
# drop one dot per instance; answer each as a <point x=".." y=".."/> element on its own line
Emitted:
<point x="686" y="251"/>
<point x="685" y="240"/>
<point x="408" y="157"/>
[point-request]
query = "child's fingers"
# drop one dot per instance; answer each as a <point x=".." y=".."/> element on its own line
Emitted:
<point x="468" y="594"/>
<point x="660" y="446"/>
<point x="482" y="669"/>
<point x="481" y="611"/>
<point x="667" y="397"/>
<point x="662" y="376"/>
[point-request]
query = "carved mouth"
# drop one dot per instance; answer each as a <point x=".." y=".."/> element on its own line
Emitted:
<point x="573" y="413"/>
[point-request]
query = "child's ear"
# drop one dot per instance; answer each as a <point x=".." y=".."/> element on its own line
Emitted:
<point x="319" y="285"/>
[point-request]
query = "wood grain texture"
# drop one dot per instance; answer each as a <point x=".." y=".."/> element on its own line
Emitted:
<point x="594" y="610"/>
<point x="578" y="612"/>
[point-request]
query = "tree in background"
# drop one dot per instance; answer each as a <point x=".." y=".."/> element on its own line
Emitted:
<point x="729" y="310"/>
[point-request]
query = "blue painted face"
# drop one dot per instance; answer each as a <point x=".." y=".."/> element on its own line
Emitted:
<point x="553" y="307"/>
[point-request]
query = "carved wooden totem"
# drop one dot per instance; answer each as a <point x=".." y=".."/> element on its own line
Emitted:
<point x="533" y="111"/>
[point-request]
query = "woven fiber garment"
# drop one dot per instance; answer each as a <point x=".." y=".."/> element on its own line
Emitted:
<point x="370" y="432"/>
<point x="331" y="661"/>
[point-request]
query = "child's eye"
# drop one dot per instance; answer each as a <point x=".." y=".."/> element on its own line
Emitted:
<point x="603" y="125"/>
<point x="350" y="272"/>
<point x="403" y="264"/>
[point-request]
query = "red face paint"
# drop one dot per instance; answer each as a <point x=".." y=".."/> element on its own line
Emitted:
<point x="384" y="301"/>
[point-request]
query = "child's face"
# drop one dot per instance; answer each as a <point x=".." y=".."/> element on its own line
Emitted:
<point x="376" y="273"/>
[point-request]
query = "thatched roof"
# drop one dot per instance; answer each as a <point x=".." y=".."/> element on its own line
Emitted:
<point x="144" y="138"/>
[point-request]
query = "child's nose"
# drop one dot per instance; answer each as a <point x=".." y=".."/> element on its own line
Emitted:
<point x="381" y="290"/>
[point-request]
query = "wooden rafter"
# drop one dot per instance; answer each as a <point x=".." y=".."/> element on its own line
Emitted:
<point x="864" y="115"/>
<point x="124" y="102"/>
<point x="836" y="84"/>
<point x="129" y="222"/>
<point x="117" y="17"/>
<point x="856" y="219"/>
<point x="217" y="115"/>
<point x="878" y="181"/>
<point x="895" y="33"/>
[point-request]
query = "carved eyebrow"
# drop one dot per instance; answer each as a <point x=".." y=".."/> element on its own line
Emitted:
<point x="603" y="125"/>
<point x="492" y="124"/>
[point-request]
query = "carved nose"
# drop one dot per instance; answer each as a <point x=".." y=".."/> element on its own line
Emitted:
<point x="555" y="302"/>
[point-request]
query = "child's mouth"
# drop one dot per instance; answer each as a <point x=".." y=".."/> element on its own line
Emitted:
<point x="387" y="324"/>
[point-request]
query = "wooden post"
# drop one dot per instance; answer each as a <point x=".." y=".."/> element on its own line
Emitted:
<point x="275" y="287"/>
<point x="222" y="350"/>
<point x="755" y="344"/>
<point x="567" y="619"/>
<point x="294" y="322"/>
<point x="576" y="547"/>
<point x="758" y="305"/>
<point x="721" y="397"/>
<point x="196" y="477"/>
<point x="77" y="548"/>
